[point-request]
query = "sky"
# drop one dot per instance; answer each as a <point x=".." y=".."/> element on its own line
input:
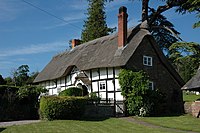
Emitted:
<point x="33" y="31"/>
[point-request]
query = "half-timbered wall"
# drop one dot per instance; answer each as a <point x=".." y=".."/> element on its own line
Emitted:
<point x="104" y="82"/>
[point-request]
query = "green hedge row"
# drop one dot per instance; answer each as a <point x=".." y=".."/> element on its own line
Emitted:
<point x="72" y="91"/>
<point x="61" y="107"/>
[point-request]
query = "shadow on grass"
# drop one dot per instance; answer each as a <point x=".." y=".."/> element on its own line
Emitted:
<point x="1" y="129"/>
<point x="94" y="118"/>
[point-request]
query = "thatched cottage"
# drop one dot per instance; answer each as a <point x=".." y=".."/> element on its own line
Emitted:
<point x="96" y="64"/>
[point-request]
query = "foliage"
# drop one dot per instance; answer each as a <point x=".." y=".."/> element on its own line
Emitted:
<point x="95" y="26"/>
<point x="190" y="6"/>
<point x="9" y="81"/>
<point x="185" y="57"/>
<point x="31" y="77"/>
<point x="139" y="98"/>
<point x="18" y="103"/>
<point x="93" y="98"/>
<point x="163" y="36"/>
<point x="56" y="107"/>
<point x="2" y="81"/>
<point x="21" y="75"/>
<point x="71" y="91"/>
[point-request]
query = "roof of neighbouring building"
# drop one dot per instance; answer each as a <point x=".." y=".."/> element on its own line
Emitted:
<point x="99" y="53"/>
<point x="193" y="83"/>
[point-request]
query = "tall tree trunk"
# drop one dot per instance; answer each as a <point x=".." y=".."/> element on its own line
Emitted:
<point x="145" y="4"/>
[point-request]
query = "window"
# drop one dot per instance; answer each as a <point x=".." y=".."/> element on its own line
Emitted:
<point x="151" y="85"/>
<point x="58" y="89"/>
<point x="147" y="60"/>
<point x="102" y="86"/>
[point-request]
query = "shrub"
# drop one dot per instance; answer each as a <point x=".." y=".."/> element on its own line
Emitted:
<point x="61" y="107"/>
<point x="72" y="91"/>
<point x="17" y="103"/>
<point x="140" y="100"/>
<point x="93" y="98"/>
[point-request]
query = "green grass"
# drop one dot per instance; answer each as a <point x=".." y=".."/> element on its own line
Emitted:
<point x="184" y="122"/>
<point x="112" y="125"/>
<point x="190" y="97"/>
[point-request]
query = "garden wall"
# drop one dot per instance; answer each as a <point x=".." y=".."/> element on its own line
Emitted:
<point x="99" y="111"/>
<point x="192" y="108"/>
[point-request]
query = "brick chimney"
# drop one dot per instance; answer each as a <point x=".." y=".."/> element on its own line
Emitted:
<point x="122" y="27"/>
<point x="75" y="42"/>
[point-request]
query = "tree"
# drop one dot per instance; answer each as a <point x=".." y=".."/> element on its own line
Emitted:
<point x="9" y="81"/>
<point x="163" y="36"/>
<point x="95" y="26"/>
<point x="2" y="81"/>
<point x="181" y="5"/>
<point x="185" y="57"/>
<point x="31" y="77"/>
<point x="21" y="75"/>
<point x="191" y="6"/>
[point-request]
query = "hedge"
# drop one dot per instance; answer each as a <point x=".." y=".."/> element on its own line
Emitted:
<point x="61" y="107"/>
<point x="72" y="91"/>
<point x="18" y="103"/>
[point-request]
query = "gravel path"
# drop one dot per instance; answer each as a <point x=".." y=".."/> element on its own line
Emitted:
<point x="131" y="119"/>
<point x="11" y="123"/>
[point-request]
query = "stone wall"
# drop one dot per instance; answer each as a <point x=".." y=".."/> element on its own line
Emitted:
<point x="96" y="111"/>
<point x="192" y="108"/>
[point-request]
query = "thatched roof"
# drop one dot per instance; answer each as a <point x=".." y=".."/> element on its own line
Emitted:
<point x="99" y="53"/>
<point x="193" y="83"/>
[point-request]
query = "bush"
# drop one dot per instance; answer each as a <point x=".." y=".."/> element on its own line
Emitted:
<point x="57" y="107"/>
<point x="140" y="100"/>
<point x="72" y="91"/>
<point x="18" y="103"/>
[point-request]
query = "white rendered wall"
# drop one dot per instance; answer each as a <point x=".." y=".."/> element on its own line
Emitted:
<point x="110" y="85"/>
<point x="95" y="74"/>
<point x="103" y="73"/>
<point x="95" y="86"/>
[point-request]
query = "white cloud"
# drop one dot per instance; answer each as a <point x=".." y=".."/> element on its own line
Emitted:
<point x="69" y="19"/>
<point x="9" y="10"/>
<point x="34" y="49"/>
<point x="79" y="5"/>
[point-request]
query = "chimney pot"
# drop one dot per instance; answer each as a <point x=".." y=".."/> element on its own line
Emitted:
<point x="122" y="26"/>
<point x="75" y="42"/>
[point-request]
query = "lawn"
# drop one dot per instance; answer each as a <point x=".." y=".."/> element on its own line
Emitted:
<point x="111" y="125"/>
<point x="184" y="122"/>
<point x="190" y="97"/>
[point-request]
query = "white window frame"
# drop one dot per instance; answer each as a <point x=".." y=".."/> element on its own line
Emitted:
<point x="151" y="85"/>
<point x="147" y="60"/>
<point x="102" y="85"/>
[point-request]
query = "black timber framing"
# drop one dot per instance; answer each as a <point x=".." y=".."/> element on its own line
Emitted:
<point x="114" y="91"/>
<point x="107" y="85"/>
<point x="91" y="80"/>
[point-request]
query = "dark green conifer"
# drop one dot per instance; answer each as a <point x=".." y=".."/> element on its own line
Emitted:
<point x="95" y="26"/>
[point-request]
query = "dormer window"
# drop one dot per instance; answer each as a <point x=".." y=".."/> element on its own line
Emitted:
<point x="147" y="60"/>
